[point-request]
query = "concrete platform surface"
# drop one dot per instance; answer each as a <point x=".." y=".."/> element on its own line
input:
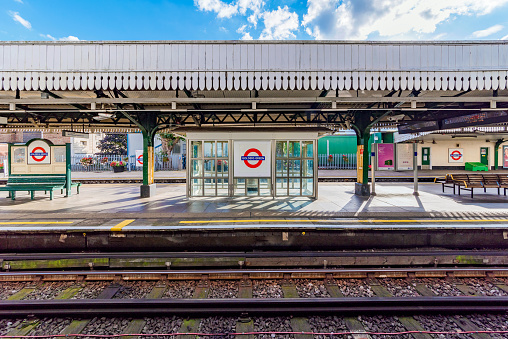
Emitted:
<point x="122" y="201"/>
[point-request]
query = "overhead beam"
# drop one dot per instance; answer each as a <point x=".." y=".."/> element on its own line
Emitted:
<point x="55" y="96"/>
<point x="247" y="101"/>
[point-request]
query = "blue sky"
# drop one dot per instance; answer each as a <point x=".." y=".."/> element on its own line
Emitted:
<point x="253" y="19"/>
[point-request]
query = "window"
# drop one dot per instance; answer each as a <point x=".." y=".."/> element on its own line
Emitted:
<point x="209" y="168"/>
<point x="294" y="168"/>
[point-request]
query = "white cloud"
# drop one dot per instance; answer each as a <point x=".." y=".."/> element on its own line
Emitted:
<point x="279" y="24"/>
<point x="253" y="5"/>
<point x="48" y="36"/>
<point x="20" y="1"/>
<point x="222" y="9"/>
<point x="488" y="31"/>
<point x="505" y="37"/>
<point x="69" y="38"/>
<point x="16" y="17"/>
<point x="348" y="19"/>
<point x="246" y="36"/>
<point x="241" y="29"/>
<point x="223" y="29"/>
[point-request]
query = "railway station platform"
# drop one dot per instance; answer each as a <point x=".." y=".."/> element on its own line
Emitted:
<point x="113" y="217"/>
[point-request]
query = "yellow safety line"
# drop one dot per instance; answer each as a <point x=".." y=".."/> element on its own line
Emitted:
<point x="34" y="222"/>
<point x="121" y="225"/>
<point x="342" y="221"/>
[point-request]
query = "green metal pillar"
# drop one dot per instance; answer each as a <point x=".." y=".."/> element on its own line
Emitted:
<point x="147" y="123"/>
<point x="496" y="152"/>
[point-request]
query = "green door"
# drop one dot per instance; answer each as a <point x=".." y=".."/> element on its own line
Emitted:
<point x="484" y="155"/>
<point x="425" y="156"/>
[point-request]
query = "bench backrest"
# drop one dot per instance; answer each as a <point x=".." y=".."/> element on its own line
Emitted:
<point x="459" y="177"/>
<point x="490" y="178"/>
<point x="503" y="178"/>
<point x="55" y="180"/>
<point x="475" y="178"/>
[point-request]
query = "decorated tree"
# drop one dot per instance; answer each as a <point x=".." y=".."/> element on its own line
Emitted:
<point x="113" y="144"/>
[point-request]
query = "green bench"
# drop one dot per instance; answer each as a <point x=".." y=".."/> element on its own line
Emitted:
<point x="32" y="183"/>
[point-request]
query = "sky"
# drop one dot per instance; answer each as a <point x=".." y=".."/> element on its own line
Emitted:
<point x="253" y="19"/>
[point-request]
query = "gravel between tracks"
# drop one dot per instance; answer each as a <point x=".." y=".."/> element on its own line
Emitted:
<point x="180" y="289"/>
<point x="440" y="287"/>
<point x="48" y="290"/>
<point x="383" y="324"/>
<point x="311" y="288"/>
<point x="266" y="289"/>
<point x="134" y="289"/>
<point x="491" y="322"/>
<point x="218" y="325"/>
<point x="7" y="325"/>
<point x="162" y="325"/>
<point x="105" y="326"/>
<point x="330" y="324"/>
<point x="440" y="323"/>
<point x="9" y="288"/>
<point x="50" y="326"/>
<point x="275" y="324"/>
<point x="483" y="287"/>
<point x="223" y="289"/>
<point x="354" y="288"/>
<point x="91" y="290"/>
<point x="399" y="287"/>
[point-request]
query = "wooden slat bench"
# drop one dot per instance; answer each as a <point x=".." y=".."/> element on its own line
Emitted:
<point x="447" y="181"/>
<point x="33" y="183"/>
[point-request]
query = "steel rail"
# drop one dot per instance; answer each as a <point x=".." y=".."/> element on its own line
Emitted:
<point x="267" y="254"/>
<point x="282" y="306"/>
<point x="242" y="271"/>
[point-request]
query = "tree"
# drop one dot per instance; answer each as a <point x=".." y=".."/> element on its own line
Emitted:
<point x="169" y="140"/>
<point x="113" y="144"/>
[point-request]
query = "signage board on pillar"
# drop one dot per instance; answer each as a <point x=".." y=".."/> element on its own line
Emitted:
<point x="455" y="155"/>
<point x="252" y="158"/>
<point x="404" y="159"/>
<point x="39" y="153"/>
<point x="385" y="157"/>
<point x="139" y="158"/>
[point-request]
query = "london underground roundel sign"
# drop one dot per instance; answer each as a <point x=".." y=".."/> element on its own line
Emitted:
<point x="258" y="159"/>
<point x="140" y="159"/>
<point x="455" y="155"/>
<point x="251" y="158"/>
<point x="39" y="154"/>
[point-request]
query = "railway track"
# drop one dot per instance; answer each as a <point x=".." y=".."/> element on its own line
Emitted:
<point x="290" y="303"/>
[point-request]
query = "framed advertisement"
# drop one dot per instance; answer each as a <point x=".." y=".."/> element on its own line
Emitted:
<point x="385" y="157"/>
<point x="505" y="156"/>
<point x="404" y="156"/>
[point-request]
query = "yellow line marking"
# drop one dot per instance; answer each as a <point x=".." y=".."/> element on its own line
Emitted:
<point x="121" y="225"/>
<point x="343" y="221"/>
<point x="34" y="222"/>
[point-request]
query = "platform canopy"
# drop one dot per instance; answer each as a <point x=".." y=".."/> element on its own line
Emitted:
<point x="111" y="85"/>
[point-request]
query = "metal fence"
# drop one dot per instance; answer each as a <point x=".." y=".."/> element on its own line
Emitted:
<point x="102" y="163"/>
<point x="337" y="161"/>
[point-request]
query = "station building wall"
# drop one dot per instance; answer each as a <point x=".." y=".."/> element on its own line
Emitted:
<point x="439" y="152"/>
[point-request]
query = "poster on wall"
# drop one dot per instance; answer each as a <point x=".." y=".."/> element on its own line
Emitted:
<point x="139" y="158"/>
<point x="455" y="155"/>
<point x="252" y="159"/>
<point x="39" y="153"/>
<point x="505" y="156"/>
<point x="385" y="157"/>
<point x="404" y="157"/>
